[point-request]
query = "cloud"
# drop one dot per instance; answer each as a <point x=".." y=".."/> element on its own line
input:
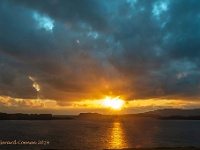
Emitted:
<point x="71" y="11"/>
<point x="78" y="50"/>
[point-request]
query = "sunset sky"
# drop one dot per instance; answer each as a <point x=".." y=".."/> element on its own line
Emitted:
<point x="67" y="57"/>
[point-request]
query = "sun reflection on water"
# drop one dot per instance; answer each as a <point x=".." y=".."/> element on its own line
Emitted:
<point x="117" y="137"/>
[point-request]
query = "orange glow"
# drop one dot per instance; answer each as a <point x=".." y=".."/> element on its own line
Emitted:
<point x="114" y="103"/>
<point x="106" y="105"/>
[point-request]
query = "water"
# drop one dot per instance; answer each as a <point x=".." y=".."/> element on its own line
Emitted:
<point x="101" y="134"/>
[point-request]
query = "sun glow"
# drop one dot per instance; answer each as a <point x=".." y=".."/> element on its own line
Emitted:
<point x="114" y="103"/>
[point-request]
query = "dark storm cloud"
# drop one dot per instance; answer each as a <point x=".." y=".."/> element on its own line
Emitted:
<point x="160" y="46"/>
<point x="88" y="49"/>
<point x="71" y="11"/>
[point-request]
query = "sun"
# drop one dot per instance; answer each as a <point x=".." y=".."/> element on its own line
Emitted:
<point x="114" y="103"/>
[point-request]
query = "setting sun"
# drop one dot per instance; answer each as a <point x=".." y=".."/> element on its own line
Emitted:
<point x="114" y="103"/>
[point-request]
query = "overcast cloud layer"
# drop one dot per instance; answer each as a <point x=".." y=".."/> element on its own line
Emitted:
<point x="86" y="49"/>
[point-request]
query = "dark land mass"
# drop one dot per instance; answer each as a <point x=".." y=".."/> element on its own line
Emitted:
<point x="180" y="118"/>
<point x="162" y="114"/>
<point x="173" y="114"/>
<point x="19" y="116"/>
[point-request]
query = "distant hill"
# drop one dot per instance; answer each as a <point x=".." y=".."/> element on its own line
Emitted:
<point x="20" y="116"/>
<point x="173" y="112"/>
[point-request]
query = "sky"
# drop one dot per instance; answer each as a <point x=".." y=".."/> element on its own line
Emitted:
<point x="65" y="57"/>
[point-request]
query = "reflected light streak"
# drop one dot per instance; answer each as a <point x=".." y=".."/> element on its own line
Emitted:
<point x="117" y="137"/>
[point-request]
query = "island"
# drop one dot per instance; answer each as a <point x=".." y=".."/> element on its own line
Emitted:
<point x="20" y="116"/>
<point x="162" y="114"/>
